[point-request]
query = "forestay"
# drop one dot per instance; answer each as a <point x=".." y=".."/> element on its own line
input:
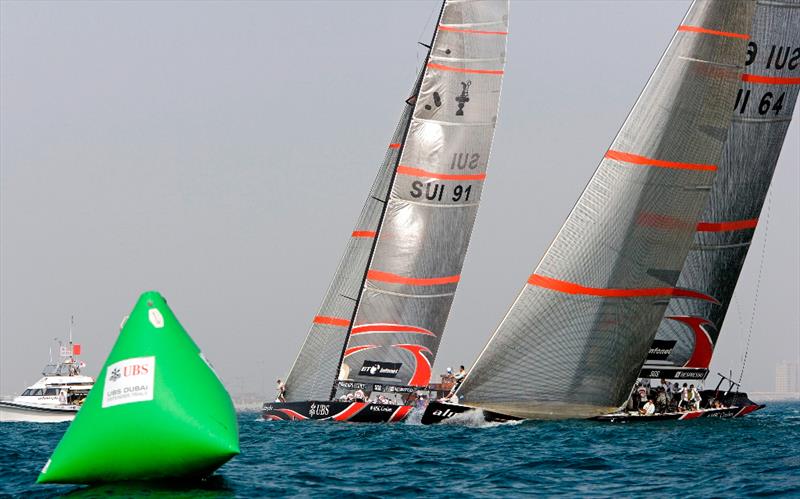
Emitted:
<point x="762" y="112"/>
<point x="573" y="342"/>
<point x="422" y="241"/>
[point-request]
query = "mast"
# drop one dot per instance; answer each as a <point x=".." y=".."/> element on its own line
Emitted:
<point x="572" y="343"/>
<point x="765" y="100"/>
<point x="411" y="102"/>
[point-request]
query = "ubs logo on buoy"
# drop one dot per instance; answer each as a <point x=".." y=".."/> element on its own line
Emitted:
<point x="129" y="381"/>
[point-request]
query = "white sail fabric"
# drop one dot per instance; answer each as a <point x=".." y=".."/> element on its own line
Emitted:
<point x="317" y="364"/>
<point x="762" y="113"/>
<point x="423" y="238"/>
<point x="573" y="342"/>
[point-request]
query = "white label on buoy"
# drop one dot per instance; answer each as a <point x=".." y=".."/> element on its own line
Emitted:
<point x="129" y="380"/>
<point x="46" y="465"/>
<point x="156" y="319"/>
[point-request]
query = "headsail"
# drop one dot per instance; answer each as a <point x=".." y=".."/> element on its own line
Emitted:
<point x="317" y="363"/>
<point x="762" y="112"/>
<point x="434" y="198"/>
<point x="575" y="338"/>
<point x="405" y="240"/>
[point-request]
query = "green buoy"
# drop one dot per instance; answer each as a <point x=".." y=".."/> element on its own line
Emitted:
<point x="157" y="410"/>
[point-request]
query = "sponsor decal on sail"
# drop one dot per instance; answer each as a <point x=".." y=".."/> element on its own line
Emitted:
<point x="661" y="349"/>
<point x="380" y="369"/>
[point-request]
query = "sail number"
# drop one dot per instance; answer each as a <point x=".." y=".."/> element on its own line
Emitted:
<point x="766" y="103"/>
<point x="763" y="101"/>
<point x="439" y="192"/>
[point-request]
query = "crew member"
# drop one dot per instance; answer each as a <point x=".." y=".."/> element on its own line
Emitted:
<point x="648" y="408"/>
<point x="694" y="398"/>
<point x="281" y="391"/>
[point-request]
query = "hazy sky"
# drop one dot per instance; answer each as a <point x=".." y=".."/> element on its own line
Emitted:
<point x="220" y="153"/>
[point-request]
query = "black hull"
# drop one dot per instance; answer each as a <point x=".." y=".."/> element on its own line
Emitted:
<point x="728" y="412"/>
<point x="352" y="412"/>
<point x="437" y="412"/>
<point x="736" y="405"/>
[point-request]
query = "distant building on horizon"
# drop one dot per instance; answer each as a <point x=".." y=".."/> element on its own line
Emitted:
<point x="786" y="377"/>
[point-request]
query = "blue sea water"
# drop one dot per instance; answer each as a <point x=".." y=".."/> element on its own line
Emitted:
<point x="752" y="456"/>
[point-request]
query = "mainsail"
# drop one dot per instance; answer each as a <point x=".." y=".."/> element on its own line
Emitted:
<point x="574" y="340"/>
<point x="385" y="312"/>
<point x="762" y="113"/>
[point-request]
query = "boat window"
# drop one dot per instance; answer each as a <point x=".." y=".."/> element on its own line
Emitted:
<point x="27" y="392"/>
<point x="51" y="391"/>
<point x="38" y="392"/>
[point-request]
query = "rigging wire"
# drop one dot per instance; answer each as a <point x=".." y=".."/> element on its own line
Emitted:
<point x="758" y="287"/>
<point x="434" y="9"/>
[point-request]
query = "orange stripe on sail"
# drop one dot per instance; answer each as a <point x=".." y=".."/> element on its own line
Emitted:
<point x="376" y="275"/>
<point x="471" y="31"/>
<point x="576" y="289"/>
<point x="418" y="172"/>
<point x="442" y="67"/>
<point x="364" y="233"/>
<point x="395" y="145"/>
<point x="698" y="29"/>
<point x="645" y="161"/>
<point x="770" y="80"/>
<point x="727" y="226"/>
<point x="331" y="321"/>
<point x="390" y="328"/>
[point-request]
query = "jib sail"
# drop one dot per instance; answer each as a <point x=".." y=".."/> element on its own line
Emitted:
<point x="762" y="113"/>
<point x="574" y="340"/>
<point x="317" y="364"/>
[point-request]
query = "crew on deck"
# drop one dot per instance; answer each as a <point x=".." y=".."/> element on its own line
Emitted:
<point x="281" y="388"/>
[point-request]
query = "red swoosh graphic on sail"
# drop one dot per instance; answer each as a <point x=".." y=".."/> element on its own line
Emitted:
<point x="422" y="371"/>
<point x="703" y="346"/>
<point x="364" y="233"/>
<point x="352" y="350"/>
<point x="350" y="411"/>
<point x="576" y="289"/>
<point x="390" y="328"/>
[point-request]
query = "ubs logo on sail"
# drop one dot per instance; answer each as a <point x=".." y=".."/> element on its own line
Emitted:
<point x="380" y="369"/>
